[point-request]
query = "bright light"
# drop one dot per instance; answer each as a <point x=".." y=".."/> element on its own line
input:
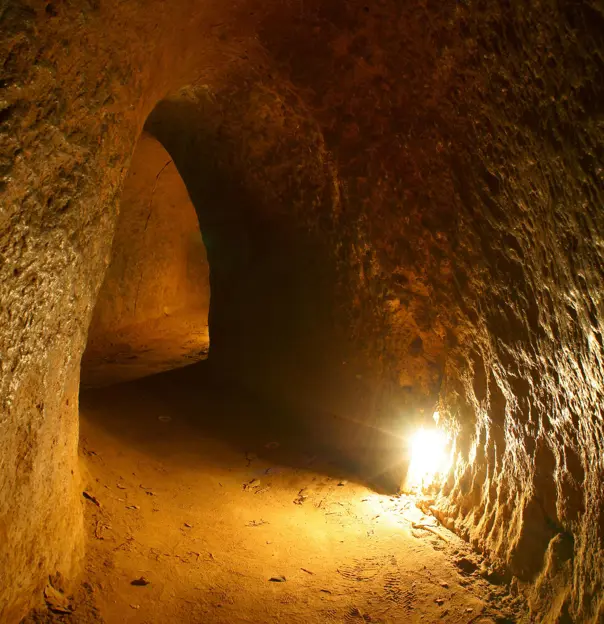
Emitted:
<point x="429" y="458"/>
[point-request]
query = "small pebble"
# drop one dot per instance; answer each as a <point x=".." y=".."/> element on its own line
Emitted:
<point x="140" y="582"/>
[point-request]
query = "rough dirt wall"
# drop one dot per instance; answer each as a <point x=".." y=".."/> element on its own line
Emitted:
<point x="451" y="192"/>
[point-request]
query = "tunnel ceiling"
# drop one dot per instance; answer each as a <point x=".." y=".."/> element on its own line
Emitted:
<point x="423" y="183"/>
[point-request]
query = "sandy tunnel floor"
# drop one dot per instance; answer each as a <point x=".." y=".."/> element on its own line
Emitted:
<point x="162" y="344"/>
<point x="233" y="525"/>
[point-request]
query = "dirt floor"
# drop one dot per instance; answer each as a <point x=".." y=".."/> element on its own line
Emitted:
<point x="202" y="508"/>
<point x="171" y="341"/>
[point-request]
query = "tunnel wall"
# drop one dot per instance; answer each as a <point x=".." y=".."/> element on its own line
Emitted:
<point x="435" y="171"/>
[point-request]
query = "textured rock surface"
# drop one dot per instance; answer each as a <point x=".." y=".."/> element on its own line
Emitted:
<point x="425" y="178"/>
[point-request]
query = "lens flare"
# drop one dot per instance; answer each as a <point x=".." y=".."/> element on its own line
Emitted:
<point x="429" y="458"/>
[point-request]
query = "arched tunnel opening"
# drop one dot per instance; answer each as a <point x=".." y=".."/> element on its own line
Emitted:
<point x="300" y="312"/>
<point x="151" y="313"/>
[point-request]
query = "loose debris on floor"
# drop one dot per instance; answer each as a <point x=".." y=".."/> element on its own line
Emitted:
<point x="312" y="547"/>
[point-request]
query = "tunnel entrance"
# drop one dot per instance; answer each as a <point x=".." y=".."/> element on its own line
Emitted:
<point x="151" y="313"/>
<point x="219" y="489"/>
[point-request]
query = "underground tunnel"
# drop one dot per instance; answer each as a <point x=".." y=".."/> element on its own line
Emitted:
<point x="151" y="313"/>
<point x="301" y="311"/>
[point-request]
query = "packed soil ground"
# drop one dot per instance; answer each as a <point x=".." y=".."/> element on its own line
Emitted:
<point x="201" y="507"/>
<point x="139" y="350"/>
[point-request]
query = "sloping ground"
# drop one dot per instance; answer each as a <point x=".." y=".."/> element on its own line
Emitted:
<point x="161" y="344"/>
<point x="232" y="522"/>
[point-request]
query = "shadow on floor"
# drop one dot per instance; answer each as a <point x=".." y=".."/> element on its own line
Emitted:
<point x="151" y="414"/>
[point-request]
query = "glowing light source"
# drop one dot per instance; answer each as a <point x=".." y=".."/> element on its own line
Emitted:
<point x="429" y="458"/>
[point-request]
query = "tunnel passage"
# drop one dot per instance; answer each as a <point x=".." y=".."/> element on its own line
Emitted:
<point x="270" y="290"/>
<point x="456" y="151"/>
<point x="273" y="324"/>
<point x="268" y="205"/>
<point x="152" y="310"/>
